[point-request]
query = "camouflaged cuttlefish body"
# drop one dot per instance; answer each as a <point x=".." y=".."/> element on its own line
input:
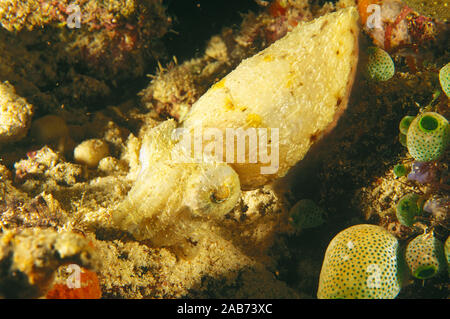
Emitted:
<point x="280" y="101"/>
<point x="296" y="89"/>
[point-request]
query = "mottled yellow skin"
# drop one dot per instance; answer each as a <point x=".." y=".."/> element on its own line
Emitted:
<point x="299" y="84"/>
<point x="170" y="200"/>
<point x="288" y="86"/>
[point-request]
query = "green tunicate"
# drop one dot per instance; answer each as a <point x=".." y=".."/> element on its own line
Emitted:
<point x="447" y="253"/>
<point x="402" y="139"/>
<point x="405" y="123"/>
<point x="428" y="137"/>
<point x="306" y="214"/>
<point x="380" y="66"/>
<point x="400" y="170"/>
<point x="407" y="209"/>
<point x="444" y="78"/>
<point x="425" y="257"/>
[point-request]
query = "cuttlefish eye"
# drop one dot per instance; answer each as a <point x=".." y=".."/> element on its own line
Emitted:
<point x="213" y="191"/>
<point x="220" y="194"/>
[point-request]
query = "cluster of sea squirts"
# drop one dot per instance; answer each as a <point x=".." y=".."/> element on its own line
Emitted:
<point x="366" y="261"/>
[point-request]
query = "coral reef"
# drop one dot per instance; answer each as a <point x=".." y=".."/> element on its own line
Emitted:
<point x="165" y="229"/>
<point x="393" y="25"/>
<point x="29" y="258"/>
<point x="423" y="172"/>
<point x="111" y="34"/>
<point x="437" y="9"/>
<point x="113" y="42"/>
<point x="47" y="164"/>
<point x="15" y="114"/>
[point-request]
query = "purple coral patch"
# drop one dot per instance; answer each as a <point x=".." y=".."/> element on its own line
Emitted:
<point x="423" y="172"/>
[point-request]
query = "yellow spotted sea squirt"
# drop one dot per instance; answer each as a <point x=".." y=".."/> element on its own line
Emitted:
<point x="428" y="137"/>
<point x="361" y="262"/>
<point x="380" y="66"/>
<point x="444" y="79"/>
<point x="425" y="256"/>
<point x="306" y="214"/>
